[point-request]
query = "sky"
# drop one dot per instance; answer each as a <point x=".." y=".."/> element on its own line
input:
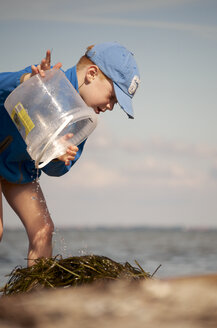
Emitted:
<point x="159" y="169"/>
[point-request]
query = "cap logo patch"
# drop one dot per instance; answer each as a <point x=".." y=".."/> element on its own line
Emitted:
<point x="134" y="85"/>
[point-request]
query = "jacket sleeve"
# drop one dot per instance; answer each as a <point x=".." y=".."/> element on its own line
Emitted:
<point x="9" y="81"/>
<point x="58" y="168"/>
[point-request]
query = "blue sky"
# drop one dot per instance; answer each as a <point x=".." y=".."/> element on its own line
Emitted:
<point x="161" y="167"/>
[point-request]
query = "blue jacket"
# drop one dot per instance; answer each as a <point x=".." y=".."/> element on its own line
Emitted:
<point x="15" y="163"/>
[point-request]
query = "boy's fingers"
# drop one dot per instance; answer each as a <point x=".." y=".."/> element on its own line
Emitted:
<point x="71" y="156"/>
<point x="45" y="65"/>
<point x="58" y="65"/>
<point x="34" y="70"/>
<point x="71" y="149"/>
<point x="68" y="136"/>
<point x="48" y="57"/>
<point x="71" y="152"/>
<point x="41" y="71"/>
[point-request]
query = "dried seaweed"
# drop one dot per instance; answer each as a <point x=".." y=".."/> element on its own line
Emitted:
<point x="72" y="271"/>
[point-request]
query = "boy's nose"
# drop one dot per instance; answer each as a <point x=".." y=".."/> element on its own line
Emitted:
<point x="110" y="106"/>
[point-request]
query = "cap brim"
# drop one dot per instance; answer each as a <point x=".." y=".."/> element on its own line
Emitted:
<point x="124" y="101"/>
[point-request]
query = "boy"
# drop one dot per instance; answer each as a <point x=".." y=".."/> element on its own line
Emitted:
<point x="107" y="74"/>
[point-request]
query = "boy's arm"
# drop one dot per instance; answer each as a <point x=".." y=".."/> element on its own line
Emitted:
<point x="10" y="80"/>
<point x="57" y="168"/>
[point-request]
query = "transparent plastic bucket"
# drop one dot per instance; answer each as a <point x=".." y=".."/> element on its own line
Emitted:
<point x="45" y="109"/>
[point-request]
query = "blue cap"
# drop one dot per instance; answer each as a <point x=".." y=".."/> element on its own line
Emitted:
<point x="118" y="64"/>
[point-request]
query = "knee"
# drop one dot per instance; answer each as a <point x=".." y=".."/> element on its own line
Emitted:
<point x="47" y="231"/>
<point x="44" y="234"/>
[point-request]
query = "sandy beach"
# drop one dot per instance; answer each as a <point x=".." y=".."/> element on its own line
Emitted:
<point x="185" y="302"/>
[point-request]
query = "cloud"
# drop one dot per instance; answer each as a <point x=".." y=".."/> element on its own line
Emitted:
<point x="91" y="174"/>
<point x="154" y="163"/>
<point x="164" y="173"/>
<point x="177" y="148"/>
<point x="147" y="172"/>
<point x="156" y="180"/>
<point x="103" y="141"/>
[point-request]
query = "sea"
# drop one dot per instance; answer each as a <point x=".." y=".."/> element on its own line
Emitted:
<point x="173" y="252"/>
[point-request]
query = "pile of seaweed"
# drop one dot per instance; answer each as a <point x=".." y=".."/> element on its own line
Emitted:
<point x="72" y="271"/>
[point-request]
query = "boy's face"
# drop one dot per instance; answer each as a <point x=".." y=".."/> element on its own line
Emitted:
<point x="98" y="93"/>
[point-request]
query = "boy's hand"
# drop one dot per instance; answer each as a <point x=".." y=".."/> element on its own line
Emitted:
<point x="44" y="66"/>
<point x="40" y="69"/>
<point x="70" y="153"/>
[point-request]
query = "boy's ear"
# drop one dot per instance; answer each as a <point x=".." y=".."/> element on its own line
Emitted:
<point x="91" y="73"/>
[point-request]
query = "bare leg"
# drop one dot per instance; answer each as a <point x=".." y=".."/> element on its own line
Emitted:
<point x="28" y="202"/>
<point x="1" y="212"/>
